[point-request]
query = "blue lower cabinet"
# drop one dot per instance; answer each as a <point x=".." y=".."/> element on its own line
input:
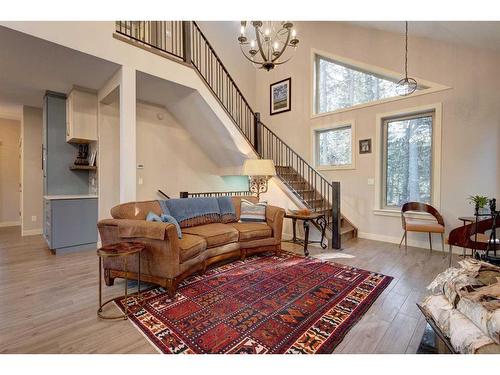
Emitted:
<point x="70" y="223"/>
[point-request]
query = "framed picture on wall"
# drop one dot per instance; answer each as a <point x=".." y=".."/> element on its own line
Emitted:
<point x="365" y="146"/>
<point x="280" y="97"/>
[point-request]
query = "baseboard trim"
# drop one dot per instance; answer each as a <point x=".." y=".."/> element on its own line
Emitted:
<point x="9" y="224"/>
<point x="411" y="242"/>
<point x="31" y="232"/>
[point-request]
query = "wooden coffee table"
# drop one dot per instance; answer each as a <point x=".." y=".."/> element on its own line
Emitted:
<point x="318" y="218"/>
<point x="122" y="250"/>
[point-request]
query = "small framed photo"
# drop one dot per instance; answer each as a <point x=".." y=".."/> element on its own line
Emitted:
<point x="365" y="146"/>
<point x="280" y="97"/>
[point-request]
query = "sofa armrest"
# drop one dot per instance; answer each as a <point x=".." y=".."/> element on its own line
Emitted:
<point x="161" y="256"/>
<point x="274" y="218"/>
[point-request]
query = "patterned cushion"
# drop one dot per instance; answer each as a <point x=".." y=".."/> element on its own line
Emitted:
<point x="253" y="211"/>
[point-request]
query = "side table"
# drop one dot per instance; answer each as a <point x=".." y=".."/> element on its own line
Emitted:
<point x="122" y="250"/>
<point x="315" y="217"/>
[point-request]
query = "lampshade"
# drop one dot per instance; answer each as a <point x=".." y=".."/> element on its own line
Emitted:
<point x="259" y="167"/>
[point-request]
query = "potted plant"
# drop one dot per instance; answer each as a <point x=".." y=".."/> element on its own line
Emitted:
<point x="480" y="203"/>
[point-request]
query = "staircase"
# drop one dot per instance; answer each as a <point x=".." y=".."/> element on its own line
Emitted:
<point x="184" y="41"/>
<point x="313" y="200"/>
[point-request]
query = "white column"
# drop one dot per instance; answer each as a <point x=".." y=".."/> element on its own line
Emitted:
<point x="127" y="135"/>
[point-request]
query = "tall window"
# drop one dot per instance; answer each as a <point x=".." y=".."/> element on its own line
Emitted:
<point x="339" y="85"/>
<point x="333" y="147"/>
<point x="407" y="159"/>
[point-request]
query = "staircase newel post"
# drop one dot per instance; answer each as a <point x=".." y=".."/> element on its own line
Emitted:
<point x="336" y="243"/>
<point x="186" y="41"/>
<point x="256" y="131"/>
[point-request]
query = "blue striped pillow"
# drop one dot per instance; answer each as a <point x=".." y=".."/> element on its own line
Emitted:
<point x="254" y="212"/>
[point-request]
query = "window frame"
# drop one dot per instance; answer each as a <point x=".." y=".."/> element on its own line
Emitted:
<point x="385" y="121"/>
<point x="380" y="208"/>
<point x="316" y="130"/>
<point x="430" y="87"/>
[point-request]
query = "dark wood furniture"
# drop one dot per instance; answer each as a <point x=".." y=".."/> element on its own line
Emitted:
<point x="122" y="250"/>
<point x="471" y="236"/>
<point x="317" y="218"/>
<point x="416" y="225"/>
<point x="465" y="220"/>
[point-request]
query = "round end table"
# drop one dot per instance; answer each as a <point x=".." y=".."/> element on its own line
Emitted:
<point x="122" y="250"/>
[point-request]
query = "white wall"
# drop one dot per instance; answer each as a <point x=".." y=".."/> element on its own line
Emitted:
<point x="173" y="161"/>
<point x="10" y="132"/>
<point x="471" y="116"/>
<point x="32" y="174"/>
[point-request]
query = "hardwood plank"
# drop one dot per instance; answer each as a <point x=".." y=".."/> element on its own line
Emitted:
<point x="49" y="301"/>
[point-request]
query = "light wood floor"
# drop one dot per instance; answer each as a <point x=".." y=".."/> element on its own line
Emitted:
<point x="48" y="303"/>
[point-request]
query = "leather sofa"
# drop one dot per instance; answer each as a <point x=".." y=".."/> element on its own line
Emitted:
<point x="166" y="259"/>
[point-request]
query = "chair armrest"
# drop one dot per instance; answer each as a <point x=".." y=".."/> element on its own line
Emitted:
<point x="274" y="218"/>
<point x="161" y="256"/>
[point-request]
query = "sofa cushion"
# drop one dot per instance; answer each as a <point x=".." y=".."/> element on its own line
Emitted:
<point x="227" y="211"/>
<point x="416" y="225"/>
<point x="252" y="231"/>
<point x="255" y="212"/>
<point x="237" y="203"/>
<point x="190" y="212"/>
<point x="191" y="246"/>
<point x="215" y="234"/>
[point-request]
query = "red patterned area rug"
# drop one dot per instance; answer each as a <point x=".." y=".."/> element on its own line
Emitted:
<point x="264" y="304"/>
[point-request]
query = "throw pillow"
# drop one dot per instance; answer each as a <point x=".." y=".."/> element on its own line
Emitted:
<point x="227" y="211"/>
<point x="153" y="217"/>
<point x="165" y="219"/>
<point x="255" y="212"/>
<point x="170" y="219"/>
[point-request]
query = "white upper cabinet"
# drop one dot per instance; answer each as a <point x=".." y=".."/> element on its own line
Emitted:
<point x="81" y="116"/>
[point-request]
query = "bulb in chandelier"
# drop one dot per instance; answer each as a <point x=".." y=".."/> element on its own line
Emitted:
<point x="294" y="33"/>
<point x="242" y="30"/>
<point x="266" y="32"/>
<point x="252" y="44"/>
<point x="276" y="46"/>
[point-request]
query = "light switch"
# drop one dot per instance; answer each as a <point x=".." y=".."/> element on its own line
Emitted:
<point x="371" y="181"/>
<point x="33" y="218"/>
<point x="140" y="181"/>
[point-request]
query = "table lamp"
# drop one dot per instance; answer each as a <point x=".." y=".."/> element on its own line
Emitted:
<point x="258" y="171"/>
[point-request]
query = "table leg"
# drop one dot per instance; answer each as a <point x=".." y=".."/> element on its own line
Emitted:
<point x="294" y="229"/>
<point x="125" y="264"/>
<point x="139" y="278"/>
<point x="306" y="237"/>
<point x="100" y="285"/>
<point x="322" y="224"/>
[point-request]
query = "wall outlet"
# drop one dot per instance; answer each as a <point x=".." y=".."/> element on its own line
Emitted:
<point x="371" y="181"/>
<point x="33" y="218"/>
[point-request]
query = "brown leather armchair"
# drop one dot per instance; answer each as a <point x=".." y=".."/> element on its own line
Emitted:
<point x="419" y="225"/>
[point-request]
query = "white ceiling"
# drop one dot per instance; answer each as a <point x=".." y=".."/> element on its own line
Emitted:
<point x="29" y="66"/>
<point x="479" y="34"/>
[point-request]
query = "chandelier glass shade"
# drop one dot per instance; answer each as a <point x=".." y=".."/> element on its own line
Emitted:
<point x="406" y="85"/>
<point x="265" y="43"/>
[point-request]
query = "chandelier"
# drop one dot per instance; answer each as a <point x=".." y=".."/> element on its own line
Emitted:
<point x="407" y="85"/>
<point x="267" y="47"/>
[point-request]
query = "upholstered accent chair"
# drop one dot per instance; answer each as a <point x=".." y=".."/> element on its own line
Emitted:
<point x="421" y="225"/>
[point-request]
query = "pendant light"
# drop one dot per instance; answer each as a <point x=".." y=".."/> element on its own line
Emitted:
<point x="407" y="85"/>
